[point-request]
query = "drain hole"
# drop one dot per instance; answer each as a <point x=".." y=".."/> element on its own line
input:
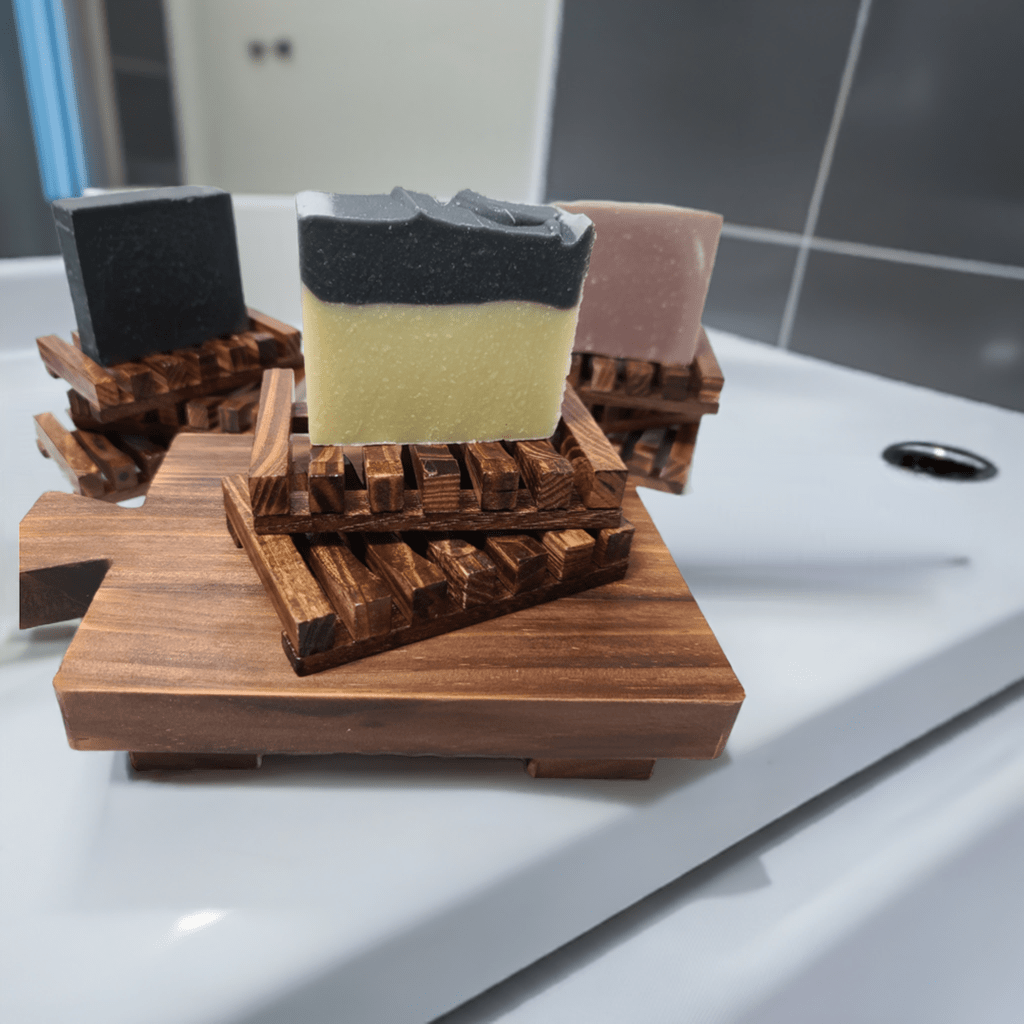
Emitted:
<point x="939" y="460"/>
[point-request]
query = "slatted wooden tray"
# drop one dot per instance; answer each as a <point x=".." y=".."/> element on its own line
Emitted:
<point x="341" y="597"/>
<point x="574" y="480"/>
<point x="651" y="411"/>
<point x="178" y="654"/>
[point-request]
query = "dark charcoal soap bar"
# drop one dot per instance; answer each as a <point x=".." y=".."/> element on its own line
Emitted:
<point x="407" y="247"/>
<point x="151" y="270"/>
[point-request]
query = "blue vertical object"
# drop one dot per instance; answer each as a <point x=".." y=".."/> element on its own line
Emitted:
<point x="52" y="101"/>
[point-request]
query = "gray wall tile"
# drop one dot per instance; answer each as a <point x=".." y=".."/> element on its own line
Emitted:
<point x="954" y="332"/>
<point x="723" y="106"/>
<point x="749" y="288"/>
<point x="930" y="155"/>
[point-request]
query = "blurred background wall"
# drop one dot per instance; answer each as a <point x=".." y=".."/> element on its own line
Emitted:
<point x="867" y="154"/>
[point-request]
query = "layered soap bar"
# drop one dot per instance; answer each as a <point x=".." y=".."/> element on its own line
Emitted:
<point x="151" y="270"/>
<point x="427" y="322"/>
<point x="649" y="277"/>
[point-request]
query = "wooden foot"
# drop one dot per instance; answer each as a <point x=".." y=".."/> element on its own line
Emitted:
<point x="567" y="768"/>
<point x="146" y="762"/>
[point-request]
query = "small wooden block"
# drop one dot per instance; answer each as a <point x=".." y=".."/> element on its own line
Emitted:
<point x="287" y="337"/>
<point x="120" y="471"/>
<point x="570" y="552"/>
<point x="171" y="372"/>
<point x="361" y="600"/>
<point x="202" y="362"/>
<point x="599" y="474"/>
<point x="146" y="454"/>
<point x="495" y="475"/>
<point x="639" y="377"/>
<point x="88" y="378"/>
<point x="143" y="761"/>
<point x="201" y="413"/>
<point x="235" y="414"/>
<point x="326" y="479"/>
<point x="675" y="382"/>
<point x="567" y="768"/>
<point x="170" y="415"/>
<point x="643" y="458"/>
<point x="232" y="353"/>
<point x="613" y="545"/>
<point x="548" y="475"/>
<point x="307" y="616"/>
<point x="575" y="370"/>
<point x="265" y="346"/>
<point x="437" y="475"/>
<point x="676" y="470"/>
<point x="269" y="468"/>
<point x="472" y="575"/>
<point x="137" y="380"/>
<point x="419" y="588"/>
<point x="385" y="478"/>
<point x="521" y="561"/>
<point x="604" y="373"/>
<point x="81" y="471"/>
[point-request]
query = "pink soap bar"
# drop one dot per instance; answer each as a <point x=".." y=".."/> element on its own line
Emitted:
<point x="649" y="275"/>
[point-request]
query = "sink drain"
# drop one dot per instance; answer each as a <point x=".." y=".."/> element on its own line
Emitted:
<point x="939" y="460"/>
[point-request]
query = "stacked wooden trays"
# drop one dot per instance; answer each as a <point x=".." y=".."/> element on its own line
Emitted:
<point x="651" y="412"/>
<point x="126" y="415"/>
<point x="366" y="549"/>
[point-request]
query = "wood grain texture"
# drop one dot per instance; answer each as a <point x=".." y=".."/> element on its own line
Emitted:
<point x="520" y="559"/>
<point x="419" y="587"/>
<point x="614" y="545"/>
<point x="136" y="381"/>
<point x="494" y="474"/>
<point x="270" y="463"/>
<point x="87" y="377"/>
<point x="359" y="597"/>
<point x="437" y="476"/>
<point x="570" y="552"/>
<point x="326" y="479"/>
<point x="547" y="474"/>
<point x="120" y="471"/>
<point x="307" y="616"/>
<point x="472" y="575"/>
<point x="58" y="444"/>
<point x="598" y="473"/>
<point x="384" y="477"/>
<point x="179" y="650"/>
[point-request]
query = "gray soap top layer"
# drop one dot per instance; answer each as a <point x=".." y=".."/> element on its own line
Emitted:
<point x="151" y="270"/>
<point x="407" y="247"/>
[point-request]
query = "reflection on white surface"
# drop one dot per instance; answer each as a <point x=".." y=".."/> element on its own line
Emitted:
<point x="189" y="923"/>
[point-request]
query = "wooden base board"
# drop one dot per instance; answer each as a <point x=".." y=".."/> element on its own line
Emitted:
<point x="179" y="650"/>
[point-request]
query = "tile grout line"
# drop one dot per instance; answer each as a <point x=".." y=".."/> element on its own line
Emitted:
<point x="845" y="84"/>
<point x="866" y="250"/>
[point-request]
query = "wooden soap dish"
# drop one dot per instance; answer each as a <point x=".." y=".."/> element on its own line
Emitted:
<point x="651" y="411"/>
<point x="575" y="480"/>
<point x="341" y="597"/>
<point x="126" y="415"/>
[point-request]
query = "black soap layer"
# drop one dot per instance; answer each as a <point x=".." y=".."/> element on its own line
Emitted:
<point x="407" y="247"/>
<point x="151" y="270"/>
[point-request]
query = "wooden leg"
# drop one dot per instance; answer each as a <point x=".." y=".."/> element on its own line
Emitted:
<point x="568" y="768"/>
<point x="147" y="762"/>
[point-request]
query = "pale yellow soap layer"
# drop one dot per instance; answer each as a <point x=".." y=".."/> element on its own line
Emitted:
<point x="410" y="374"/>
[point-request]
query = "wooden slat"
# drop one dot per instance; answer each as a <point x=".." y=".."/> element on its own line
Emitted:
<point x="265" y="346"/>
<point x="231" y="353"/>
<point x="87" y="377"/>
<point x="570" y="552"/>
<point x="269" y="467"/>
<point x="236" y="413"/>
<point x="300" y="464"/>
<point x="575" y="370"/>
<point x="136" y="380"/>
<point x="172" y="373"/>
<point x="201" y="413"/>
<point x="60" y="445"/>
<point x="613" y="545"/>
<point x="676" y="470"/>
<point x="307" y="616"/>
<point x="145" y="453"/>
<point x="494" y="473"/>
<point x="604" y="373"/>
<point x="202" y="362"/>
<point x="437" y="475"/>
<point x="419" y="588"/>
<point x="472" y="574"/>
<point x="599" y="474"/>
<point x="638" y="377"/>
<point x="326" y="479"/>
<point x="521" y="561"/>
<point x="385" y="478"/>
<point x="284" y="333"/>
<point x="121" y="472"/>
<point x="675" y="382"/>
<point x="548" y="475"/>
<point x="707" y="374"/>
<point x="359" y="597"/>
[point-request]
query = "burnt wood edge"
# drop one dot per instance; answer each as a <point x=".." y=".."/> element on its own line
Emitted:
<point x="405" y="633"/>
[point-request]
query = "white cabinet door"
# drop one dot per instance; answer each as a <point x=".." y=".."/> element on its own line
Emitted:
<point x="434" y="95"/>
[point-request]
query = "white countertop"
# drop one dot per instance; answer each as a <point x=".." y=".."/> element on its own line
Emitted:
<point x="861" y="606"/>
